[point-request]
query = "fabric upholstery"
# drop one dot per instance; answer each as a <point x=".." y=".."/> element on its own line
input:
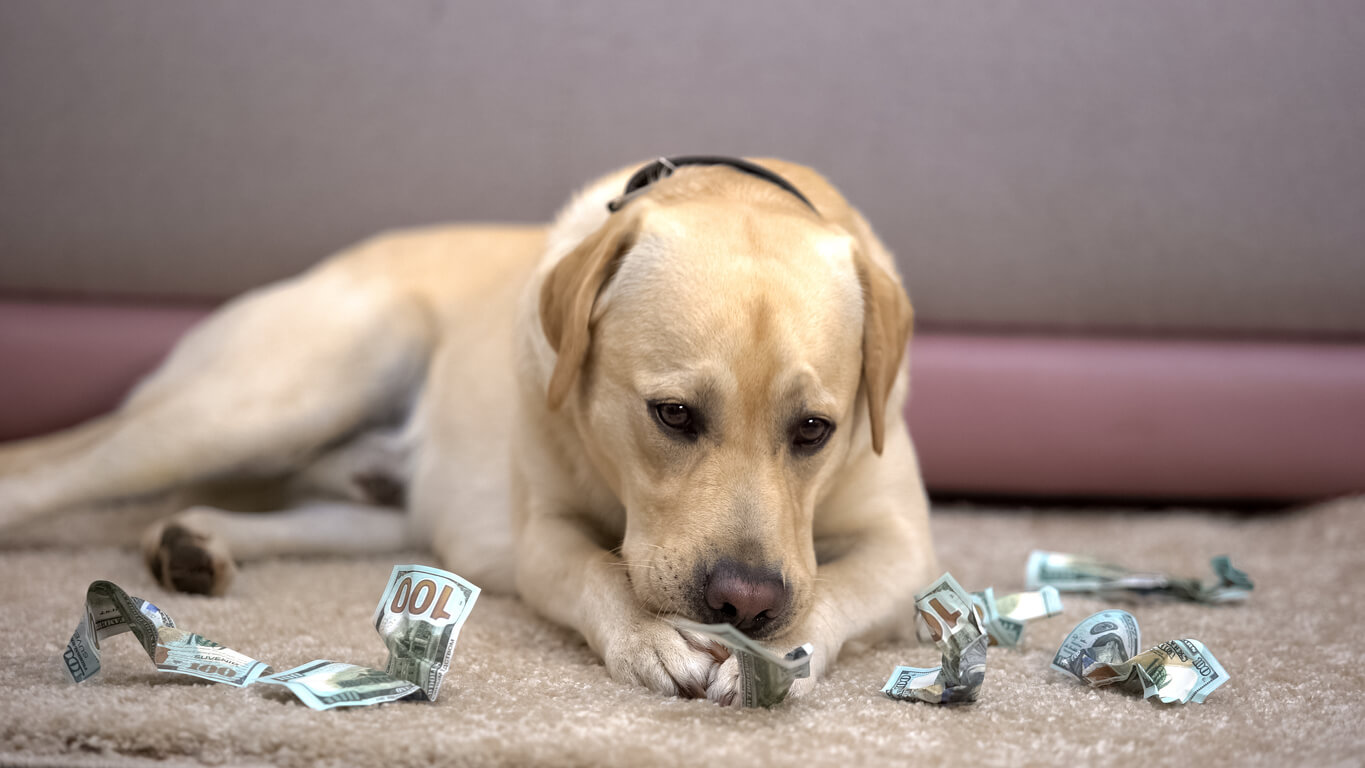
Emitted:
<point x="990" y="415"/>
<point x="1138" y="418"/>
<point x="1162" y="166"/>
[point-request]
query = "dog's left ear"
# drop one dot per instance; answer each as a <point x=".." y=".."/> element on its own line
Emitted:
<point x="570" y="290"/>
<point x="887" y="319"/>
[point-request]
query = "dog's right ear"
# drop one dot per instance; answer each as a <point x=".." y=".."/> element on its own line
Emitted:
<point x="571" y="289"/>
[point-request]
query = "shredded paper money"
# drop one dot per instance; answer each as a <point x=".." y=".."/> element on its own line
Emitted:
<point x="764" y="677"/>
<point x="419" y="617"/>
<point x="1103" y="651"/>
<point x="1005" y="617"/>
<point x="1076" y="573"/>
<point x="955" y="625"/>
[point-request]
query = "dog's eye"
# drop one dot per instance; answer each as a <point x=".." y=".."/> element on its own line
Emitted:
<point x="675" y="416"/>
<point x="810" y="433"/>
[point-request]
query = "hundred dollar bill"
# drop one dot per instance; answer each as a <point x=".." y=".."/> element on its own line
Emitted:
<point x="905" y="680"/>
<point x="187" y="653"/>
<point x="110" y="611"/>
<point x="1107" y="636"/>
<point x="326" y="684"/>
<point x="419" y="618"/>
<point x="1077" y="573"/>
<point x="764" y="677"/>
<point x="1004" y="617"/>
<point x="1176" y="671"/>
<point x="954" y="624"/>
<point x="1102" y="651"/>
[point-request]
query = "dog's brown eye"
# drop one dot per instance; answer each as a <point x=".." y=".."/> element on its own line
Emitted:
<point x="810" y="433"/>
<point x="674" y="416"/>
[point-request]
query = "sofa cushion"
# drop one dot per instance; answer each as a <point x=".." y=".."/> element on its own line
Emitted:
<point x="1161" y="166"/>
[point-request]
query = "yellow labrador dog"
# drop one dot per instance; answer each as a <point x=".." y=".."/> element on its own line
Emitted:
<point x="683" y="400"/>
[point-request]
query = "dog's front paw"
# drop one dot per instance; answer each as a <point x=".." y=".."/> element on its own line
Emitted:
<point x="724" y="688"/>
<point x="822" y="653"/>
<point x="653" y="653"/>
<point x="802" y="687"/>
<point x="184" y="554"/>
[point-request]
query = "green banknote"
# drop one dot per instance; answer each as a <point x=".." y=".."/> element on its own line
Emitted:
<point x="1109" y="636"/>
<point x="1077" y="573"/>
<point x="954" y="624"/>
<point x="419" y="618"/>
<point x="190" y="654"/>
<point x="764" y="676"/>
<point x="111" y="611"/>
<point x="326" y="684"/>
<point x="905" y="681"/>
<point x="1102" y="651"/>
<point x="1005" y="617"/>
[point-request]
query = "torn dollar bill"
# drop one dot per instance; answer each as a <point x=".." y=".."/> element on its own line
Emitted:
<point x="191" y="654"/>
<point x="419" y="617"/>
<point x="1077" y="573"/>
<point x="326" y="684"/>
<point x="1102" y="651"/>
<point x="1005" y="617"/>
<point x="110" y="611"/>
<point x="764" y="676"/>
<point x="954" y="624"/>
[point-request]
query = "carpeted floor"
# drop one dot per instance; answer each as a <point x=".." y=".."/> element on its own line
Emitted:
<point x="524" y="692"/>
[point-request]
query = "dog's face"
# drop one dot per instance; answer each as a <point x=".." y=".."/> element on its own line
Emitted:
<point x="718" y="397"/>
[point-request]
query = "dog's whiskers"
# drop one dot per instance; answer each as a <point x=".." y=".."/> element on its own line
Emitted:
<point x="630" y="564"/>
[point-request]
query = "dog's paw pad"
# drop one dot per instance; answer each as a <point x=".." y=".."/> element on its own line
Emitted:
<point x="189" y="562"/>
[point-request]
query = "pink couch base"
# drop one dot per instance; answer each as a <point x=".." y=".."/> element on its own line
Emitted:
<point x="1138" y="418"/>
<point x="65" y="362"/>
<point x="1015" y="415"/>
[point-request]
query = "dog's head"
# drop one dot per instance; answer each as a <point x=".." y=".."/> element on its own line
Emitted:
<point x="720" y="347"/>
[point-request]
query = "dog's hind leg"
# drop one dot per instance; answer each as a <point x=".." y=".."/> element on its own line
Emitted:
<point x="193" y="551"/>
<point x="260" y="387"/>
<point x="22" y="454"/>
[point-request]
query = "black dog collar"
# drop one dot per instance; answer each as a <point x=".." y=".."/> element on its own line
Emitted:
<point x="665" y="166"/>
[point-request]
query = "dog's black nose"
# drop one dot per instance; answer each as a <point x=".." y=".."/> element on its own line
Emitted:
<point x="749" y="598"/>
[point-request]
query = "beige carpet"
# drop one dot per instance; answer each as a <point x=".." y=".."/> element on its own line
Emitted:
<point x="523" y="692"/>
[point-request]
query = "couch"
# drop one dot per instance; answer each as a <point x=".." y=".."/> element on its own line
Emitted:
<point x="1134" y="234"/>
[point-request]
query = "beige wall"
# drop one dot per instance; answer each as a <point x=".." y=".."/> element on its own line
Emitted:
<point x="1164" y="165"/>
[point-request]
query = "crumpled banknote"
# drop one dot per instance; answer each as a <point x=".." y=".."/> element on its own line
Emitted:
<point x="110" y="611"/>
<point x="764" y="676"/>
<point x="1077" y="573"/>
<point x="1103" y="651"/>
<point x="955" y="625"/>
<point x="1005" y="617"/>
<point x="324" y="684"/>
<point x="419" y="618"/>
